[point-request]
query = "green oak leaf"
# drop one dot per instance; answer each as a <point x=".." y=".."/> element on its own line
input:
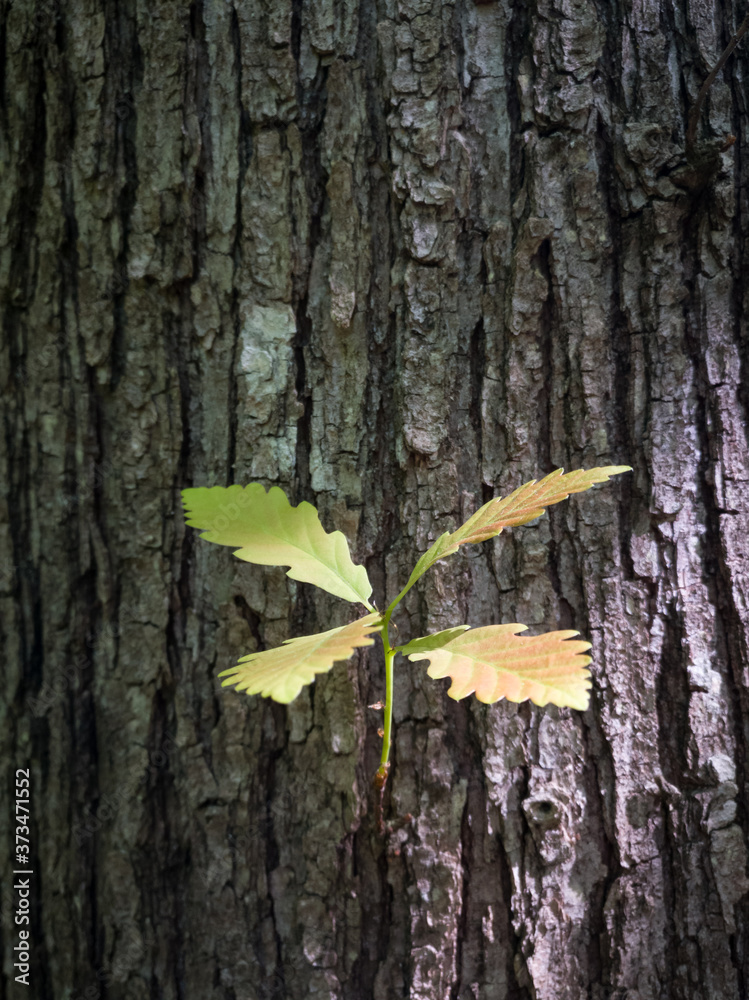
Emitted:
<point x="267" y="530"/>
<point x="495" y="663"/>
<point x="433" y="641"/>
<point x="526" y="504"/>
<point x="281" y="673"/>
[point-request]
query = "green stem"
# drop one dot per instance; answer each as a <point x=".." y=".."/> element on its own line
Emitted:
<point x="382" y="771"/>
<point x="384" y="768"/>
<point x="394" y="604"/>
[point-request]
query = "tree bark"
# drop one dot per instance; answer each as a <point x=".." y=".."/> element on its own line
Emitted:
<point x="396" y="257"/>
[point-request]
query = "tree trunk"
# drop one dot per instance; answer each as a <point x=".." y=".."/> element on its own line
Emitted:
<point x="396" y="257"/>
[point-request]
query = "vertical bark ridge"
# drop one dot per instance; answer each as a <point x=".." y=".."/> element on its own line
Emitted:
<point x="398" y="258"/>
<point x="673" y="702"/>
<point x="715" y="379"/>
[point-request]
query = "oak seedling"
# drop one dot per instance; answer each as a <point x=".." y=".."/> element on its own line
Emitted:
<point x="492" y="662"/>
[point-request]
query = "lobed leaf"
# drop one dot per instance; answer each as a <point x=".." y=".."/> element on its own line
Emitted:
<point x="268" y="531"/>
<point x="526" y="504"/>
<point x="495" y="663"/>
<point x="433" y="641"/>
<point x="281" y="673"/>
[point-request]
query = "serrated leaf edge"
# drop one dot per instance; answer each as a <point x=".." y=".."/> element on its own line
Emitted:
<point x="581" y="662"/>
<point x="240" y="499"/>
<point x="443" y="547"/>
<point x="233" y="675"/>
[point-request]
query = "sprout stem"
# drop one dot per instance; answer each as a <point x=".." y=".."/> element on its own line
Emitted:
<point x="382" y="772"/>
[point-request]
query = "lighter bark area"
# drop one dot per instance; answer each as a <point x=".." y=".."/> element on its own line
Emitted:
<point x="396" y="257"/>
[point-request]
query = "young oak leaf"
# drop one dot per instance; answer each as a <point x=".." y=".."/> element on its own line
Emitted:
<point x="526" y="504"/>
<point x="281" y="673"/>
<point x="495" y="663"/>
<point x="268" y="531"/>
<point x="433" y="641"/>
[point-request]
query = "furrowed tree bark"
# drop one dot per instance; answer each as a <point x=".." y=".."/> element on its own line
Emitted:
<point x="396" y="257"/>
